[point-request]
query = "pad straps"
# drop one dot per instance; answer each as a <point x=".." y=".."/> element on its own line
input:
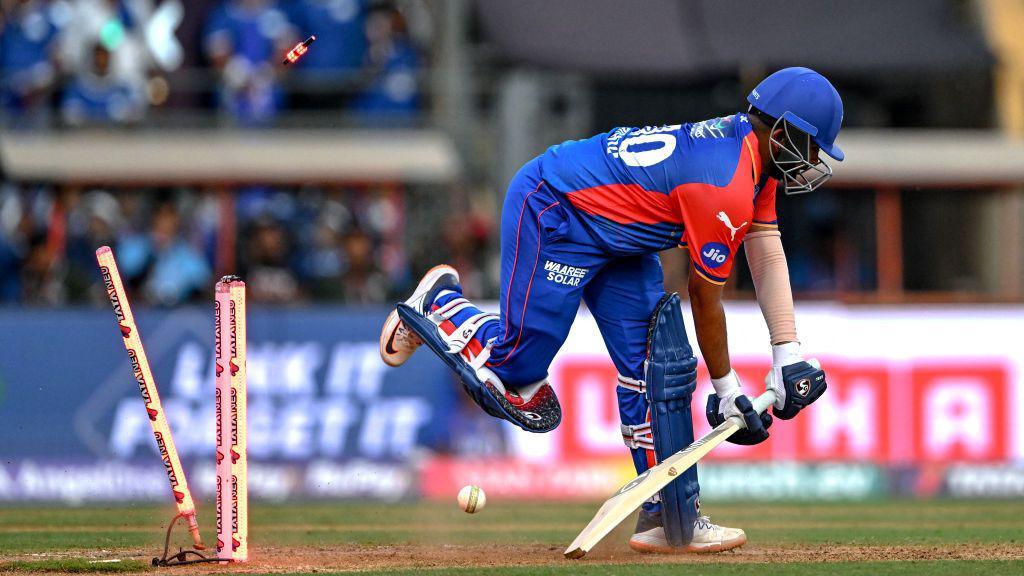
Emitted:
<point x="448" y="310"/>
<point x="638" y="386"/>
<point x="458" y="337"/>
<point x="638" y="436"/>
<point x="477" y="361"/>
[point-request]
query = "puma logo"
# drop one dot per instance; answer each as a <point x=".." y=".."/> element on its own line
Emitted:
<point x="728" y="224"/>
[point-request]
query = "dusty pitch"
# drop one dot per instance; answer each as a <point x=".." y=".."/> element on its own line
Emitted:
<point x="356" y="558"/>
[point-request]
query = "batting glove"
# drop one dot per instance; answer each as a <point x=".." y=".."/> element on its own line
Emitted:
<point x="729" y="400"/>
<point x="797" y="383"/>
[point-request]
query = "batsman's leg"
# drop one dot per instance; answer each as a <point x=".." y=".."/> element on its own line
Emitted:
<point x="622" y="299"/>
<point x="503" y="359"/>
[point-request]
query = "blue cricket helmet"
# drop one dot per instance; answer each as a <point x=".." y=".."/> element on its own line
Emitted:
<point x="805" y="99"/>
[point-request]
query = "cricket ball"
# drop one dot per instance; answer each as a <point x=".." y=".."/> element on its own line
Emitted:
<point x="472" y="499"/>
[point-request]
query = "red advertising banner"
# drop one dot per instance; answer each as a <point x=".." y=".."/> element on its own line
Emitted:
<point x="887" y="413"/>
<point x="925" y="385"/>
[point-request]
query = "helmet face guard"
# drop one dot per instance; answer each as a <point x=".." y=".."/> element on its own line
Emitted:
<point x="792" y="159"/>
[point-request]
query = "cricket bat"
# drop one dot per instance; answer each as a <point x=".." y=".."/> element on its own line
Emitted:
<point x="637" y="491"/>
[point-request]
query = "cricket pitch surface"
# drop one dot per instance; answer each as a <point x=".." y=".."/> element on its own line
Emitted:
<point x="932" y="538"/>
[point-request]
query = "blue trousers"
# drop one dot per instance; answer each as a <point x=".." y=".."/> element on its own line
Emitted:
<point x="549" y="263"/>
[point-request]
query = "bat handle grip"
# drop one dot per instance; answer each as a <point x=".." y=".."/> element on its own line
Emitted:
<point x="762" y="402"/>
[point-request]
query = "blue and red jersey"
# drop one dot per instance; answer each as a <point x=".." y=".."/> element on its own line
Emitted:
<point x="641" y="190"/>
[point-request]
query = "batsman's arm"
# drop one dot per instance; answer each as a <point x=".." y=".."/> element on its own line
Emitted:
<point x="767" y="261"/>
<point x="709" y="322"/>
<point x="797" y="383"/>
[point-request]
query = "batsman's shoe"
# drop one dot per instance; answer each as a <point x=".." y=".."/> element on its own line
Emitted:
<point x="707" y="537"/>
<point x="397" y="343"/>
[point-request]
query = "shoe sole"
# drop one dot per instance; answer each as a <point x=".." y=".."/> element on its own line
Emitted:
<point x="387" y="332"/>
<point x="645" y="548"/>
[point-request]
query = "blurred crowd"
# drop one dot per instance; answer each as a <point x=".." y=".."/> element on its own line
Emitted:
<point x="345" y="245"/>
<point x="110" y="62"/>
<point x="69" y="63"/>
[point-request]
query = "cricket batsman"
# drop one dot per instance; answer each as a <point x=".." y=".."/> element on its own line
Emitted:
<point x="585" y="220"/>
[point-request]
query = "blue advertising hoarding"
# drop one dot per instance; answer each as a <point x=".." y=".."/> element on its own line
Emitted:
<point x="328" y="420"/>
<point x="73" y="427"/>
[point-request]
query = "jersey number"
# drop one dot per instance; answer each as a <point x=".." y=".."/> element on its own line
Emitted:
<point x="647" y="149"/>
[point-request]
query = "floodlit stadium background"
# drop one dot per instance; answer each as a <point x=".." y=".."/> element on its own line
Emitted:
<point x="332" y="186"/>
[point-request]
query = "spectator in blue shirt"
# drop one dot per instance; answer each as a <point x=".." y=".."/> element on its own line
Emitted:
<point x="394" y="65"/>
<point x="27" y="60"/>
<point x="244" y="40"/>
<point x="167" y="269"/>
<point x="96" y="97"/>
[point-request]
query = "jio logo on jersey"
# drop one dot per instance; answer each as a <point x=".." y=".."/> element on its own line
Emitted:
<point x="714" y="254"/>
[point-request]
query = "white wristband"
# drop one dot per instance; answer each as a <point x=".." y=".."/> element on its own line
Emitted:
<point x="726" y="385"/>
<point x="786" y="354"/>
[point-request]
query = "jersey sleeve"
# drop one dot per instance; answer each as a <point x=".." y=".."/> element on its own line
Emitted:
<point x="715" y="221"/>
<point x="764" y="205"/>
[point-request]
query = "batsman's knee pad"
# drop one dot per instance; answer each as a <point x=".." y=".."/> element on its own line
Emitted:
<point x="670" y="376"/>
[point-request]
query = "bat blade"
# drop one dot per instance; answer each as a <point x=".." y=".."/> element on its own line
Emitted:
<point x="637" y="491"/>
